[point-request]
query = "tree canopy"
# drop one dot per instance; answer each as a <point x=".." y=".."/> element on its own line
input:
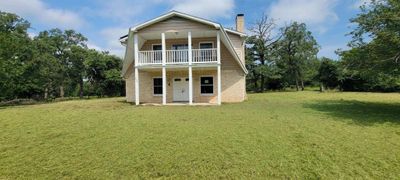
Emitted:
<point x="55" y="63"/>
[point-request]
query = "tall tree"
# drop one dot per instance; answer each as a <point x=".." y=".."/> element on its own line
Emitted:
<point x="261" y="44"/>
<point x="375" y="55"/>
<point x="61" y="43"/>
<point x="77" y="68"/>
<point x="15" y="52"/>
<point x="103" y="73"/>
<point x="295" y="50"/>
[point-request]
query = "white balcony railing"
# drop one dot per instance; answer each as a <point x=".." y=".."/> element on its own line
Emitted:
<point x="178" y="56"/>
<point x="150" y="57"/>
<point x="204" y="55"/>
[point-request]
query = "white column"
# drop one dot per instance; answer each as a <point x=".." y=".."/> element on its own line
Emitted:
<point x="190" y="86"/>
<point x="136" y="86"/>
<point x="164" y="85"/>
<point x="218" y="48"/>
<point x="219" y="67"/>
<point x="136" y="51"/>
<point x="190" y="68"/>
<point x="164" y="50"/>
<point x="190" y="48"/>
<point x="136" y="48"/>
<point x="164" y="71"/>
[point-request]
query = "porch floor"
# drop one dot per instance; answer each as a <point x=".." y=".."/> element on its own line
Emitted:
<point x="179" y="104"/>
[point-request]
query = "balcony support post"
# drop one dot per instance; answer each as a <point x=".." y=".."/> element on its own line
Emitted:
<point x="136" y="55"/>
<point x="136" y="86"/>
<point x="219" y="67"/>
<point x="190" y="68"/>
<point x="164" y="71"/>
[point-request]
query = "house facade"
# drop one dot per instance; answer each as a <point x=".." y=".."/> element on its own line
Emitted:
<point x="181" y="58"/>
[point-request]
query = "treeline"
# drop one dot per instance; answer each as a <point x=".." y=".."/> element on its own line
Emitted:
<point x="280" y="58"/>
<point x="53" y="64"/>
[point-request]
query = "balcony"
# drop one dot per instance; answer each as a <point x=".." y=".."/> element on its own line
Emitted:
<point x="177" y="57"/>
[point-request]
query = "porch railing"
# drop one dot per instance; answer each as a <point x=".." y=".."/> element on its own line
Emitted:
<point x="150" y="57"/>
<point x="178" y="56"/>
<point x="204" y="55"/>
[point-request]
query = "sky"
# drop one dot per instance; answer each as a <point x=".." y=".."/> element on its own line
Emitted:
<point x="104" y="21"/>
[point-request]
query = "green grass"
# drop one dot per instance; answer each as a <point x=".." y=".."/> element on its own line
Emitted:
<point x="275" y="135"/>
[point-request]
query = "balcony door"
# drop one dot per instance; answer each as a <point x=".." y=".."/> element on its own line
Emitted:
<point x="206" y="52"/>
<point x="180" y="53"/>
<point x="157" y="56"/>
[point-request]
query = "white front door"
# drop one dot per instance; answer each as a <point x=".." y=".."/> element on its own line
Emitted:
<point x="181" y="89"/>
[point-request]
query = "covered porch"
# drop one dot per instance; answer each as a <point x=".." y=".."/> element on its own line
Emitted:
<point x="177" y="68"/>
<point x="181" y="88"/>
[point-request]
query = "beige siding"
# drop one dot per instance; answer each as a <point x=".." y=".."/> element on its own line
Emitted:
<point x="130" y="85"/>
<point x="238" y="44"/>
<point x="233" y="78"/>
<point x="175" y="24"/>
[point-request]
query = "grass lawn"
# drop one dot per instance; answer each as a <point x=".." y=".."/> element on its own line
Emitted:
<point x="276" y="135"/>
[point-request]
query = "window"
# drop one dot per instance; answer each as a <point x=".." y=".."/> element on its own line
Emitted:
<point x="179" y="46"/>
<point x="157" y="47"/>
<point x="157" y="86"/>
<point x="207" y="85"/>
<point x="206" y="45"/>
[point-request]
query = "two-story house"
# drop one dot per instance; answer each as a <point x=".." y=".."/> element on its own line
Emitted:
<point x="177" y="57"/>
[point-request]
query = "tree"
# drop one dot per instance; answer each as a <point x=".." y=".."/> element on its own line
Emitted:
<point x="77" y="68"/>
<point x="103" y="73"/>
<point x="60" y="44"/>
<point x="42" y="66"/>
<point x="15" y="52"/>
<point x="328" y="74"/>
<point x="295" y="51"/>
<point x="373" y="62"/>
<point x="261" y="44"/>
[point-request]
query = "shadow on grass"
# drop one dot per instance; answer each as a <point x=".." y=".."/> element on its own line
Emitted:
<point x="360" y="113"/>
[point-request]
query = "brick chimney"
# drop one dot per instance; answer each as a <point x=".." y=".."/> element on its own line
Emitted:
<point x="240" y="23"/>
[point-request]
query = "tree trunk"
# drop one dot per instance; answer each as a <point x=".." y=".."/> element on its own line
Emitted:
<point x="46" y="93"/>
<point x="81" y="88"/>
<point x="255" y="84"/>
<point x="321" y="87"/>
<point x="262" y="75"/>
<point x="297" y="84"/>
<point x="302" y="84"/>
<point x="262" y="83"/>
<point x="62" y="91"/>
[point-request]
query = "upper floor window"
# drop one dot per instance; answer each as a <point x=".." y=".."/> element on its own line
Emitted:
<point x="206" y="45"/>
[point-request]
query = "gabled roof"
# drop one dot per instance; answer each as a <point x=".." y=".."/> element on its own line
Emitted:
<point x="224" y="37"/>
<point x="172" y="14"/>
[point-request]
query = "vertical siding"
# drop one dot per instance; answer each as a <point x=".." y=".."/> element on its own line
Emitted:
<point x="175" y="24"/>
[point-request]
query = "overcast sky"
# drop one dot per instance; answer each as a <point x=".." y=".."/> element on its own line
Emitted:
<point x="104" y="21"/>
